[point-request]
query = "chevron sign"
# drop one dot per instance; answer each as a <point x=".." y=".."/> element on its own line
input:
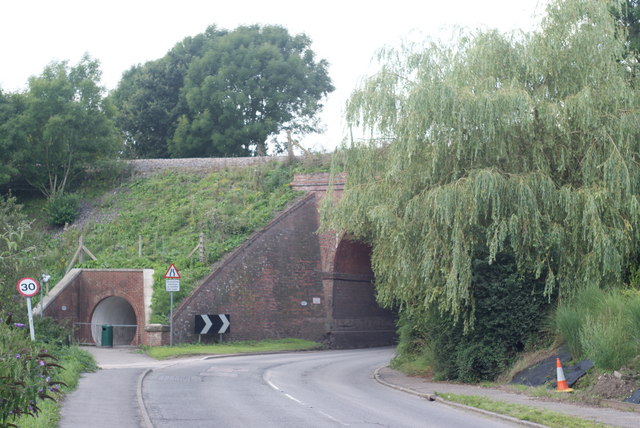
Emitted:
<point x="212" y="324"/>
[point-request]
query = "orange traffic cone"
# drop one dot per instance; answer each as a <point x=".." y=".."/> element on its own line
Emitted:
<point x="562" y="381"/>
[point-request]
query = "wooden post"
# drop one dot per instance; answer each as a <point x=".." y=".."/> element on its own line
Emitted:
<point x="139" y="245"/>
<point x="201" y="244"/>
<point x="200" y="247"/>
<point x="81" y="253"/>
<point x="289" y="146"/>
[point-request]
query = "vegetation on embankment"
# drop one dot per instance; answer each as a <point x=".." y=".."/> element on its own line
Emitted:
<point x="242" y="347"/>
<point x="602" y="325"/>
<point x="154" y="220"/>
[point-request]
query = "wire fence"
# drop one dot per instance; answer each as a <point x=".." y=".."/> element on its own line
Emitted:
<point x="86" y="333"/>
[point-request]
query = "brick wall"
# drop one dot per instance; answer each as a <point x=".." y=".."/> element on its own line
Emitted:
<point x="84" y="289"/>
<point x="288" y="280"/>
<point x="271" y="286"/>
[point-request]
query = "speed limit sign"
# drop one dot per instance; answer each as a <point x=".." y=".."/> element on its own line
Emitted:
<point x="28" y="287"/>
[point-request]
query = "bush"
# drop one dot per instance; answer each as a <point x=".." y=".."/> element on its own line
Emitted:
<point x="62" y="209"/>
<point x="26" y="373"/>
<point x="509" y="314"/>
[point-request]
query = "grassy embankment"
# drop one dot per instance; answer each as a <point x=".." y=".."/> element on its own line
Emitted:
<point x="156" y="220"/>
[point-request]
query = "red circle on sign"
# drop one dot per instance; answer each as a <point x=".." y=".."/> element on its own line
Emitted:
<point x="28" y="287"/>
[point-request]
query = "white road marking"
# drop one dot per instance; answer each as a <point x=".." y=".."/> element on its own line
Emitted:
<point x="302" y="403"/>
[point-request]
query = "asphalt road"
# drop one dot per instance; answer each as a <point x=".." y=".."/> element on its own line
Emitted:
<point x="309" y="389"/>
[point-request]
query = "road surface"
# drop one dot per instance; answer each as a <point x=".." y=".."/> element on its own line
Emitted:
<point x="306" y="389"/>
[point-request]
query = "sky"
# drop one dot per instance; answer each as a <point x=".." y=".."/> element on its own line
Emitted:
<point x="347" y="33"/>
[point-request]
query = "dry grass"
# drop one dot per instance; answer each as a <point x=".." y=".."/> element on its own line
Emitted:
<point x="526" y="360"/>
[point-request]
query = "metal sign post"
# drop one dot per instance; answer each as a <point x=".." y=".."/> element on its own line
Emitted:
<point x="45" y="278"/>
<point x="172" y="283"/>
<point x="171" y="321"/>
<point x="29" y="287"/>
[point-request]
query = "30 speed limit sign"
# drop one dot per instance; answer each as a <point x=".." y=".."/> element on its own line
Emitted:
<point x="28" y="287"/>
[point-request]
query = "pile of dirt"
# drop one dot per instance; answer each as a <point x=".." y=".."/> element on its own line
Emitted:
<point x="615" y="386"/>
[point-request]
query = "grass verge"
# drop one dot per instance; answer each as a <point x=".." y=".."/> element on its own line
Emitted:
<point x="522" y="412"/>
<point x="163" y="352"/>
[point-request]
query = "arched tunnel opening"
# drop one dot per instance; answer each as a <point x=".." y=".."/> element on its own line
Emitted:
<point x="117" y="312"/>
<point x="359" y="321"/>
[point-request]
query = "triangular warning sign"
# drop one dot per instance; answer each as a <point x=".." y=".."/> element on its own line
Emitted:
<point x="172" y="272"/>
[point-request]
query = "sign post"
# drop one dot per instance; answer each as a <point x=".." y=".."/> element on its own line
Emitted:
<point x="44" y="278"/>
<point x="29" y="287"/>
<point x="172" y="283"/>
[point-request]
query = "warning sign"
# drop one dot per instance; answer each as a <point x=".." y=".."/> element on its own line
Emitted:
<point x="172" y="272"/>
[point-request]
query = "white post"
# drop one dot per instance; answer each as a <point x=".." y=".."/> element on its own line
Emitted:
<point x="45" y="278"/>
<point x="41" y="303"/>
<point x="33" y="336"/>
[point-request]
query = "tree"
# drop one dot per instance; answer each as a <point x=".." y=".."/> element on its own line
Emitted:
<point x="66" y="126"/>
<point x="148" y="98"/>
<point x="524" y="145"/>
<point x="11" y="105"/>
<point x="629" y="18"/>
<point x="249" y="84"/>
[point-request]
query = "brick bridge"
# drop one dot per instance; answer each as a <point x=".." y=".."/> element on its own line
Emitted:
<point x="286" y="280"/>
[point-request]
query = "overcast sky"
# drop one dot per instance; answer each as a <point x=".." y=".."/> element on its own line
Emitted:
<point x="122" y="33"/>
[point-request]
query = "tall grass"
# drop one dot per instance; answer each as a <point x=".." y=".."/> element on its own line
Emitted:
<point x="603" y="326"/>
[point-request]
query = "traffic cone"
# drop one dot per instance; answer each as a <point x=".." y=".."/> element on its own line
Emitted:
<point x="562" y="381"/>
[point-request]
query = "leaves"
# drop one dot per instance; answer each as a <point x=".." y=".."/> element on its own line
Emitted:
<point x="65" y="127"/>
<point x="522" y="144"/>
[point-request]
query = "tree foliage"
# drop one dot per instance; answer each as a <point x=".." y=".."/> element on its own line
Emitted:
<point x="148" y="98"/>
<point x="629" y="17"/>
<point x="251" y="83"/>
<point x="64" y="128"/>
<point x="11" y="105"/>
<point x="222" y="93"/>
<point x="526" y="145"/>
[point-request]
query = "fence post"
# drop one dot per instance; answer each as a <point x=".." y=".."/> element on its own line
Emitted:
<point x="202" y="247"/>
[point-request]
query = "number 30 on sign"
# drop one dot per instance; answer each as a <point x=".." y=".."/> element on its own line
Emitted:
<point x="28" y="287"/>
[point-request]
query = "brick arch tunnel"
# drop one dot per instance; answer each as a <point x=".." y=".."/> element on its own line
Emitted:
<point x="358" y="319"/>
<point x="117" y="312"/>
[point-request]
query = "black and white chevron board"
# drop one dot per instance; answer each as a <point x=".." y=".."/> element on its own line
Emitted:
<point x="206" y="324"/>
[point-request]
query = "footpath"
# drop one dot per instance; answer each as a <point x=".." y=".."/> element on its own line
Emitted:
<point x="112" y="397"/>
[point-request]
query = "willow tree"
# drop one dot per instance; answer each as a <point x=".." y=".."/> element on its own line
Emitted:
<point x="519" y="144"/>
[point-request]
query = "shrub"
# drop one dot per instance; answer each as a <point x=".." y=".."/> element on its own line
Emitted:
<point x="509" y="312"/>
<point x="62" y="209"/>
<point x="25" y="373"/>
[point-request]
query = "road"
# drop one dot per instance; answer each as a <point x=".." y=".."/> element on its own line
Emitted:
<point x="307" y="389"/>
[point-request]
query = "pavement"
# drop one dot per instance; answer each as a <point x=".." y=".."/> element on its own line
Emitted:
<point x="112" y="397"/>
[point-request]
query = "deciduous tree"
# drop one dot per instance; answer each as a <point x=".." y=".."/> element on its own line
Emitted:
<point x="250" y="84"/>
<point x="66" y="126"/>
<point x="525" y="145"/>
<point x="148" y="98"/>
